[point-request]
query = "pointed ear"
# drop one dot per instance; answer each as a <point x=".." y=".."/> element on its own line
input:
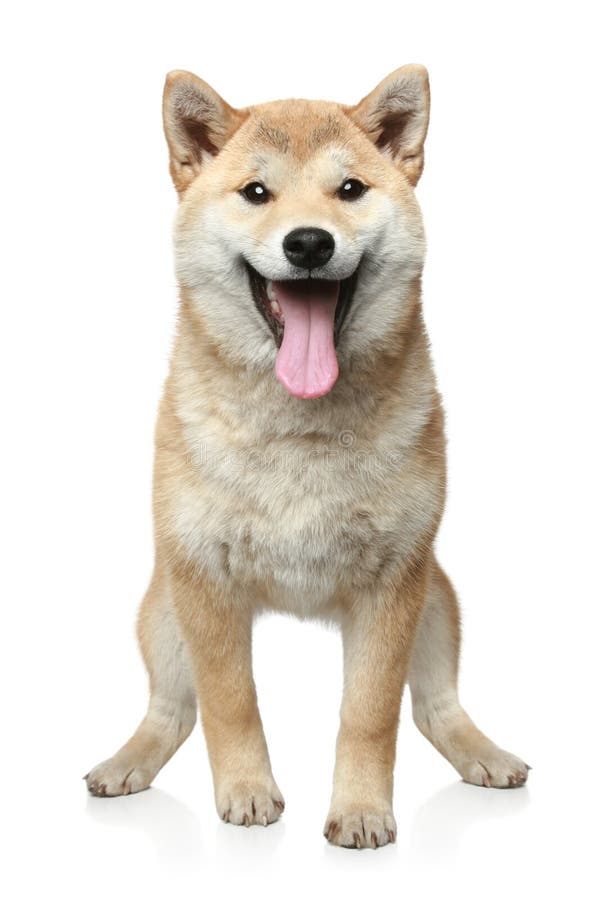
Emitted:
<point x="197" y="124"/>
<point x="395" y="116"/>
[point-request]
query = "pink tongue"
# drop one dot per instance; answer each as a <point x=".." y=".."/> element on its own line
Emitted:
<point x="306" y="363"/>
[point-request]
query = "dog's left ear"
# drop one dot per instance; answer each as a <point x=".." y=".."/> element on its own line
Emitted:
<point x="396" y="115"/>
<point x="197" y="122"/>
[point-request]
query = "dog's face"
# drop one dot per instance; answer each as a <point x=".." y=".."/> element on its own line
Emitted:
<point x="298" y="236"/>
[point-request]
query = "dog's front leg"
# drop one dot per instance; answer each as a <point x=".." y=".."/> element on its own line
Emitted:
<point x="378" y="631"/>
<point x="217" y="628"/>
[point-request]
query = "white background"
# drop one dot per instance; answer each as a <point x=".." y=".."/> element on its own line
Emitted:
<point x="88" y="303"/>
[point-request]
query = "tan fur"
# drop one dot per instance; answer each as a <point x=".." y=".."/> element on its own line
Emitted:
<point x="322" y="508"/>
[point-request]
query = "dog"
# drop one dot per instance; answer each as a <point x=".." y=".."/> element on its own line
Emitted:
<point x="300" y="451"/>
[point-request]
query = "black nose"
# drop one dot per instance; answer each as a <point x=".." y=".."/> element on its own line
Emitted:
<point x="308" y="248"/>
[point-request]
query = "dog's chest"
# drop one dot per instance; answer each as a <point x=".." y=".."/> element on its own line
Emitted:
<point x="297" y="521"/>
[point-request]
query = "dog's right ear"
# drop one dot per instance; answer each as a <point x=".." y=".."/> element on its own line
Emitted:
<point x="197" y="124"/>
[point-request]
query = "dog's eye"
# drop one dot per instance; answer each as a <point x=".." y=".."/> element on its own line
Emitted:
<point x="352" y="189"/>
<point x="256" y="192"/>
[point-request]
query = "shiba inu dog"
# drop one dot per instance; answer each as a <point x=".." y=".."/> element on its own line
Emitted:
<point x="300" y="462"/>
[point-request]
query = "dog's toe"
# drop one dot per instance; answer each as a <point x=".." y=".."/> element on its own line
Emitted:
<point x="252" y="802"/>
<point x="113" y="778"/>
<point x="359" y="827"/>
<point x="497" y="769"/>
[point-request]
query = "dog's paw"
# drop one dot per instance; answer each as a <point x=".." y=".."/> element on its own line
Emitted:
<point x="357" y="827"/>
<point x="115" y="776"/>
<point x="495" y="768"/>
<point x="249" y="802"/>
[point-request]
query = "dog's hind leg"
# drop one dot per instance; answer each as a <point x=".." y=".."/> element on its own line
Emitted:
<point x="171" y="711"/>
<point x="436" y="709"/>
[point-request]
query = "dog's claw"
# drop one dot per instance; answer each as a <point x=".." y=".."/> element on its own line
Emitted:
<point x="330" y="830"/>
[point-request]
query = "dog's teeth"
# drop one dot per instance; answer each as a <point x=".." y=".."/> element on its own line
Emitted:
<point x="270" y="290"/>
<point x="275" y="307"/>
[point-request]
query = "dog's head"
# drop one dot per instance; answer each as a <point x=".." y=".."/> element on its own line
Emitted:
<point x="298" y="237"/>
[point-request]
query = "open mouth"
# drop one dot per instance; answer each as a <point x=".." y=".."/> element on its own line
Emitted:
<point x="305" y="316"/>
